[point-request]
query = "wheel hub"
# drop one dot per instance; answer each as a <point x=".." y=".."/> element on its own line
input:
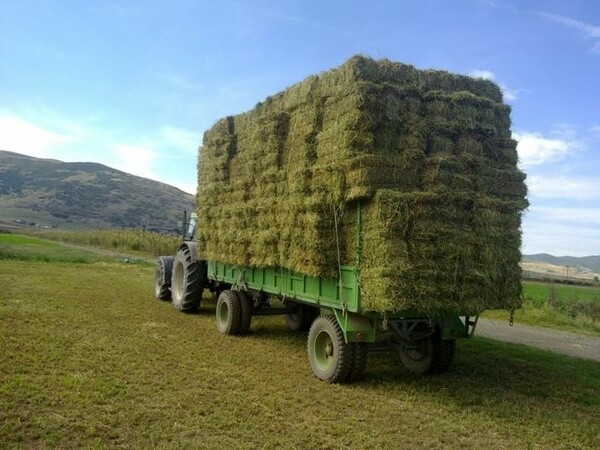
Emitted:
<point x="324" y="350"/>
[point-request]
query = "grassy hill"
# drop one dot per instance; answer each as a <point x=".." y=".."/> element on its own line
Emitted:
<point x="591" y="262"/>
<point x="53" y="193"/>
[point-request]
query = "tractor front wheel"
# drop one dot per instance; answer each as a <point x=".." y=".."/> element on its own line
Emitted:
<point x="162" y="278"/>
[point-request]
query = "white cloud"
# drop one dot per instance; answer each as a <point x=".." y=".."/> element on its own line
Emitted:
<point x="509" y="94"/>
<point x="589" y="216"/>
<point x="563" y="187"/>
<point x="500" y="5"/>
<point x="588" y="30"/>
<point x="595" y="131"/>
<point x="190" y="188"/>
<point x="134" y="159"/>
<point x="21" y="136"/>
<point x="562" y="231"/>
<point x="303" y="21"/>
<point x="541" y="236"/>
<point x="148" y="154"/>
<point x="185" y="140"/>
<point x="535" y="149"/>
<point x="179" y="82"/>
<point x="485" y="74"/>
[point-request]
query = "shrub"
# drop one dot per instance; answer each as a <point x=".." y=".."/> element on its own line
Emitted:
<point x="589" y="309"/>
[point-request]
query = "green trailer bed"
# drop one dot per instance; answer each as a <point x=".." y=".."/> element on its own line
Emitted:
<point x="341" y="331"/>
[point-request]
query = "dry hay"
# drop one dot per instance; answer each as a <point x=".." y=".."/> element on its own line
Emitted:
<point x="429" y="156"/>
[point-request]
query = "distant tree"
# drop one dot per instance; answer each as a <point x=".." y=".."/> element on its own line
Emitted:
<point x="596" y="278"/>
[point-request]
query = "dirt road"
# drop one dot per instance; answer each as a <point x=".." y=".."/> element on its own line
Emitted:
<point x="571" y="344"/>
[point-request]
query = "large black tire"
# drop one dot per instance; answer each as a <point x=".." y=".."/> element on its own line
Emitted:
<point x="428" y="356"/>
<point x="359" y="353"/>
<point x="229" y="313"/>
<point x="328" y="354"/>
<point x="246" y="306"/>
<point x="445" y="356"/>
<point x="162" y="278"/>
<point x="187" y="281"/>
<point x="301" y="316"/>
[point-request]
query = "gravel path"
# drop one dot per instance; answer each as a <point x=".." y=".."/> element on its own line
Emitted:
<point x="571" y="344"/>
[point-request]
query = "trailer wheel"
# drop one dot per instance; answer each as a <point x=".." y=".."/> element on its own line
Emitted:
<point x="300" y="317"/>
<point x="429" y="355"/>
<point x="245" y="311"/>
<point x="229" y="313"/>
<point x="359" y="352"/>
<point x="162" y="278"/>
<point x="187" y="281"/>
<point x="329" y="356"/>
<point x="445" y="356"/>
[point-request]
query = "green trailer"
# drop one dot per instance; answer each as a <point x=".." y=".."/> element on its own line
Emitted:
<point x="341" y="332"/>
<point x="376" y="205"/>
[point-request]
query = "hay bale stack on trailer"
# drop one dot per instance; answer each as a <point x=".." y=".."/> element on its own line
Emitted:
<point x="395" y="187"/>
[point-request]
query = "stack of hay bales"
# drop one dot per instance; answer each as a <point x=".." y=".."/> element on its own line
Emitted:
<point x="428" y="155"/>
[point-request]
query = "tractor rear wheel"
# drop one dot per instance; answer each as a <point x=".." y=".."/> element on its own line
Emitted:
<point x="162" y="278"/>
<point x="187" y="281"/>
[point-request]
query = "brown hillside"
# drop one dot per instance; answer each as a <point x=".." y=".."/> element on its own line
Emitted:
<point x="84" y="195"/>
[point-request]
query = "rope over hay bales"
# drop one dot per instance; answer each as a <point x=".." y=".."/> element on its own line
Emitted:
<point x="429" y="155"/>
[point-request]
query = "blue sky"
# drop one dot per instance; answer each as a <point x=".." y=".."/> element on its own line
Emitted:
<point x="134" y="84"/>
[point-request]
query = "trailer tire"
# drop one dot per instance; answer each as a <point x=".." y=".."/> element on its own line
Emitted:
<point x="245" y="311"/>
<point x="162" y="278"/>
<point x="359" y="351"/>
<point x="229" y="313"/>
<point x="187" y="281"/>
<point x="432" y="356"/>
<point x="301" y="316"/>
<point x="328" y="354"/>
<point x="445" y="356"/>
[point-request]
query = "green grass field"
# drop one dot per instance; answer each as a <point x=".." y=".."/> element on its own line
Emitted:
<point x="91" y="360"/>
<point x="31" y="248"/>
<point x="539" y="291"/>
<point x="560" y="306"/>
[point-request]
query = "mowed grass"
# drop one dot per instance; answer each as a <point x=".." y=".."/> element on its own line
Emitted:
<point x="560" y="306"/>
<point x="91" y="360"/>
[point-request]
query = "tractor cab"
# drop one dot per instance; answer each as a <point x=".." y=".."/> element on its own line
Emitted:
<point x="189" y="234"/>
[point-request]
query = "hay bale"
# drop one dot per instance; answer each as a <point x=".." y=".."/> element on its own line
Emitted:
<point x="440" y="250"/>
<point x="428" y="154"/>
